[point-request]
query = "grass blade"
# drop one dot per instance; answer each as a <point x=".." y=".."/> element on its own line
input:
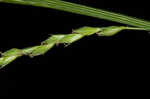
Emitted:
<point x="84" y="10"/>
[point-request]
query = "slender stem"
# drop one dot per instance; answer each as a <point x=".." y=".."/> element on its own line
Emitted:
<point x="133" y="28"/>
<point x="84" y="10"/>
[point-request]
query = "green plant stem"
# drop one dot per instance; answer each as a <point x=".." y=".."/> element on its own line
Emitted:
<point x="84" y="10"/>
<point x="67" y="39"/>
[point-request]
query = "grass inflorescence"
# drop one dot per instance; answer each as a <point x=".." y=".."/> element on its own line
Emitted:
<point x="67" y="39"/>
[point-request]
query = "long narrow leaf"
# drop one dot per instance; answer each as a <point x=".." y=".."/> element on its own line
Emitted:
<point x="84" y="10"/>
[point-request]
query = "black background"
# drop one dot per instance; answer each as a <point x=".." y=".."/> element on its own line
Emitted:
<point x="93" y="62"/>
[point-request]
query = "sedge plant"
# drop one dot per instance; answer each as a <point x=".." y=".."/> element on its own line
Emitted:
<point x="67" y="39"/>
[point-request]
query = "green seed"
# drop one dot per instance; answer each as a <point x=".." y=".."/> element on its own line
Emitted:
<point x="53" y="39"/>
<point x="6" y="60"/>
<point x="40" y="50"/>
<point x="87" y="30"/>
<point x="29" y="50"/>
<point x="110" y="31"/>
<point x="70" y="38"/>
<point x="12" y="52"/>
